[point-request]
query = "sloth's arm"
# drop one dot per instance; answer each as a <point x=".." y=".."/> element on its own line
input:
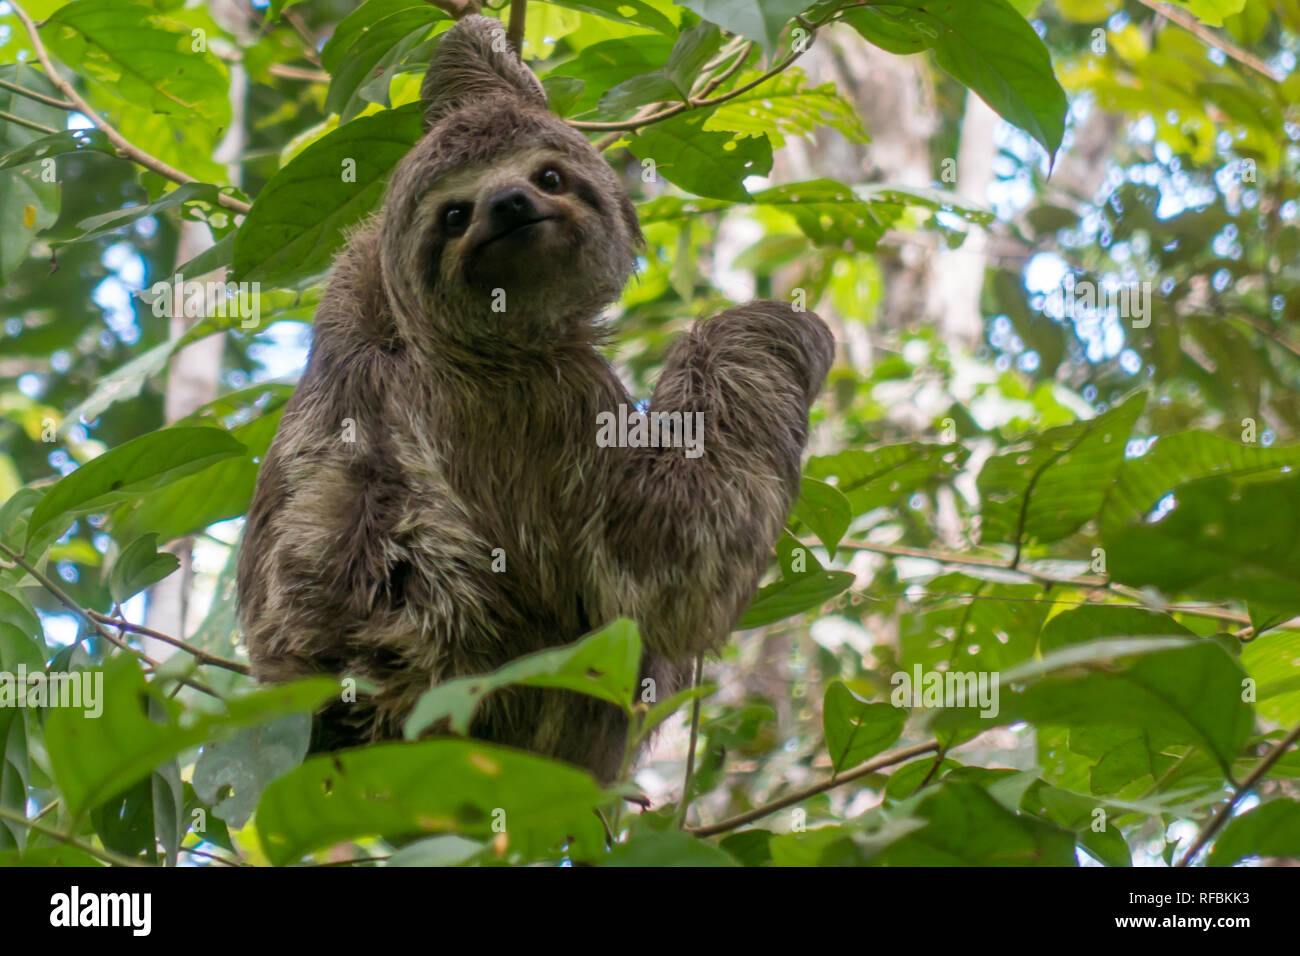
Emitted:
<point x="689" y="538"/>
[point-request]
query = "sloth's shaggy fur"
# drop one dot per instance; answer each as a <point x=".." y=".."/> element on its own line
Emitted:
<point x="475" y="429"/>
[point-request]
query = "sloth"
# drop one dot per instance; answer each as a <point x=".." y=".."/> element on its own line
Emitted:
<point x="436" y="504"/>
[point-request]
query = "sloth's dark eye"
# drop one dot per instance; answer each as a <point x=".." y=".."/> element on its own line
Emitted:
<point x="455" y="219"/>
<point x="550" y="180"/>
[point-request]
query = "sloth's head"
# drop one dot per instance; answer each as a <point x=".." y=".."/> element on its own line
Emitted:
<point x="503" y="224"/>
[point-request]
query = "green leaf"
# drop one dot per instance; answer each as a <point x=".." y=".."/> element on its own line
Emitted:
<point x="603" y="66"/>
<point x="56" y="144"/>
<point x="140" y="565"/>
<point x="1271" y="829"/>
<point x="447" y="850"/>
<point x="297" y="222"/>
<point x="965" y="826"/>
<point x="1220" y="539"/>
<point x="823" y="509"/>
<point x="231" y="775"/>
<point x="214" y="494"/>
<point x="1049" y="486"/>
<point x="791" y="596"/>
<point x="604" y="665"/>
<point x="668" y="848"/>
<point x="879" y="477"/>
<point x="1212" y="12"/>
<point x="363" y="39"/>
<point x="145" y="58"/>
<point x="106" y="223"/>
<point x="693" y="49"/>
<point x="1181" y="458"/>
<point x="14" y="776"/>
<point x="986" y="46"/>
<point x="759" y="20"/>
<point x="124" y="822"/>
<point x="29" y="198"/>
<point x="625" y="11"/>
<point x="130" y="470"/>
<point x="94" y="757"/>
<point x="705" y="163"/>
<point x="857" y="730"/>
<point x="831" y="214"/>
<point x="1180" y="688"/>
<point x="786" y="105"/>
<point x="435" y="786"/>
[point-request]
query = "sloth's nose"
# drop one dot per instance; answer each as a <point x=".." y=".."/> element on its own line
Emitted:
<point x="510" y="208"/>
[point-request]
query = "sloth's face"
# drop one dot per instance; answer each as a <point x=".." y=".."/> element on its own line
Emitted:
<point x="524" y="246"/>
<point x="519" y="227"/>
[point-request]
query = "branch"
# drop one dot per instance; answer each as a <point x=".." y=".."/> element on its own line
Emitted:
<point x="518" y="18"/>
<point x="124" y="146"/>
<point x="108" y="856"/>
<point x="1221" y="817"/>
<point x="1225" y="46"/>
<point x="202" y="656"/>
<point x="89" y="617"/>
<point x="871" y="766"/>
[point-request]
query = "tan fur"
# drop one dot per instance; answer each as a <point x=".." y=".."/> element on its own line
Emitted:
<point x="476" y="430"/>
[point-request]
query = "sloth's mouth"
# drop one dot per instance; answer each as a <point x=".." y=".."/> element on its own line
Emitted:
<point x="517" y="227"/>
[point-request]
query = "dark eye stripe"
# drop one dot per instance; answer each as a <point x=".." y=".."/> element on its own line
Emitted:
<point x="587" y="193"/>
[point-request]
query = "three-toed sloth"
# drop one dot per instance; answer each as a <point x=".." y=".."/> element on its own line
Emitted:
<point x="436" y="503"/>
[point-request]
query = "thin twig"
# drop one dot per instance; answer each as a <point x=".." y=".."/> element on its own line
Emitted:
<point x="871" y="766"/>
<point x="29" y="124"/>
<point x="124" y="146"/>
<point x="89" y="617"/>
<point x="33" y="95"/>
<point x="1188" y="22"/>
<point x="690" y="751"/>
<point x="108" y="856"/>
<point x="1225" y="811"/>
<point x="210" y="856"/>
<point x="202" y="656"/>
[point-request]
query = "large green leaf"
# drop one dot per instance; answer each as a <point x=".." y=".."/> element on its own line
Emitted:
<point x="434" y="786"/>
<point x="790" y="596"/>
<point x="706" y="163"/>
<point x="759" y="20"/>
<point x="197" y="501"/>
<point x="1272" y="829"/>
<point x="363" y="39"/>
<point x="1180" y="458"/>
<point x="144" y="57"/>
<point x="986" y="45"/>
<point x="1181" y="688"/>
<point x="130" y="470"/>
<point x="231" y="775"/>
<point x="297" y="221"/>
<point x="855" y="729"/>
<point x="965" y="826"/>
<point x="604" y="664"/>
<point x="93" y="757"/>
<point x="1048" y="487"/>
<point x="1219" y="539"/>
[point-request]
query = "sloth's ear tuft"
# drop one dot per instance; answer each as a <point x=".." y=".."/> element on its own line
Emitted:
<point x="475" y="61"/>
